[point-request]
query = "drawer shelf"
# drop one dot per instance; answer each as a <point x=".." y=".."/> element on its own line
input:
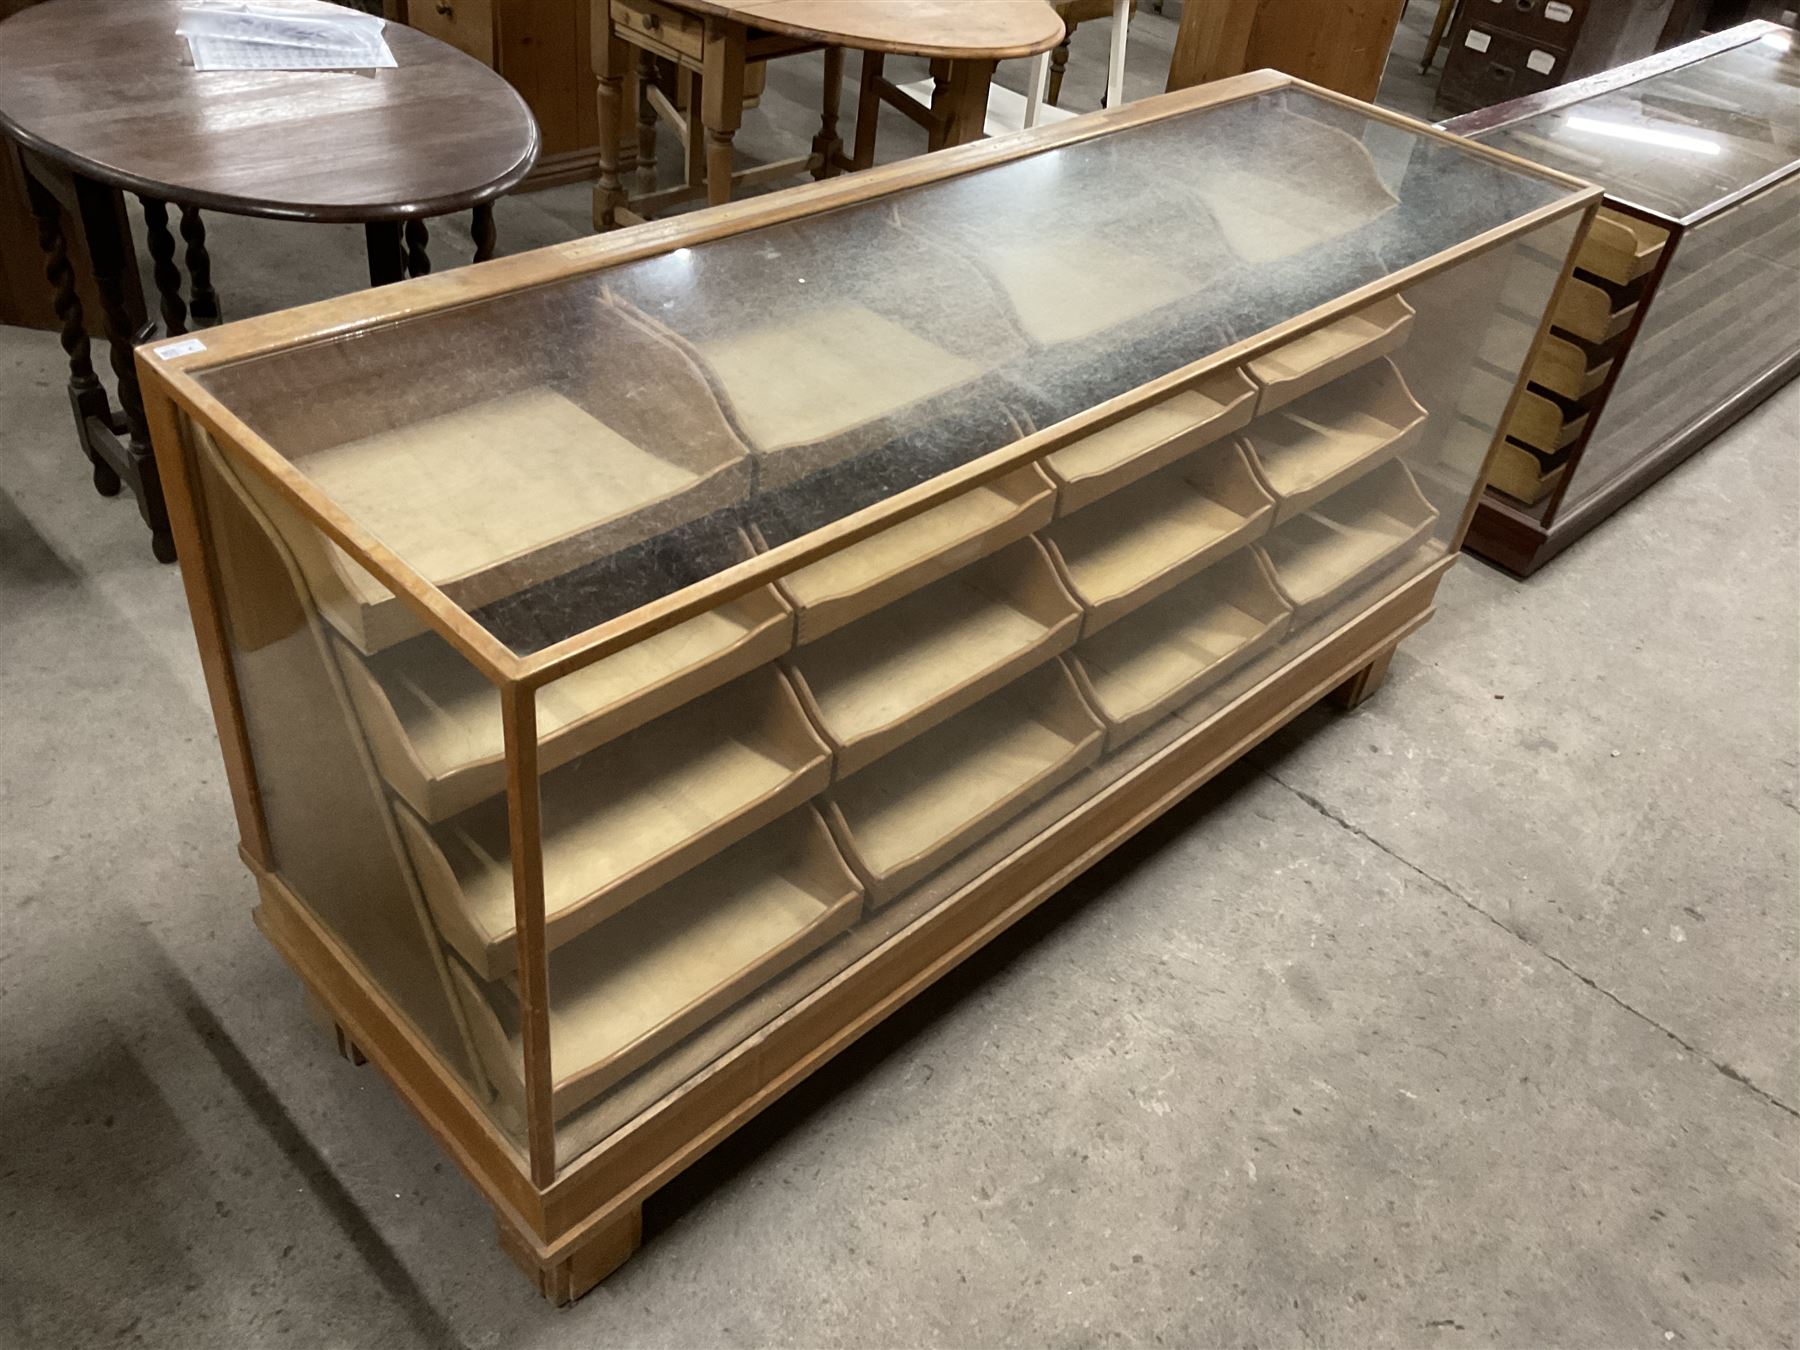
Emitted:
<point x="1525" y="474"/>
<point x="874" y="573"/>
<point x="1325" y="553"/>
<point x="1323" y="440"/>
<point x="1620" y="248"/>
<point x="1130" y="547"/>
<point x="640" y="982"/>
<point x="1088" y="469"/>
<point x="1567" y="368"/>
<point x="878" y="683"/>
<point x="1173" y="649"/>
<point x="433" y="721"/>
<point x="624" y="820"/>
<point x="937" y="796"/>
<point x="1539" y="422"/>
<point x="1301" y="366"/>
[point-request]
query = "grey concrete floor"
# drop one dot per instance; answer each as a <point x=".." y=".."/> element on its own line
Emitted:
<point x="1465" y="1019"/>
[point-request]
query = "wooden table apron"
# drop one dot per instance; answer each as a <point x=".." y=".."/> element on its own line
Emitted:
<point x="100" y="98"/>
<point x="711" y="42"/>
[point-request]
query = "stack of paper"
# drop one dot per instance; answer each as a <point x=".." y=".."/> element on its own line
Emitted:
<point x="248" y="35"/>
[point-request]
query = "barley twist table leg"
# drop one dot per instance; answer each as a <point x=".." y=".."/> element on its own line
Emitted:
<point x="203" y="301"/>
<point x="162" y="265"/>
<point x="418" y="263"/>
<point x="481" y="228"/>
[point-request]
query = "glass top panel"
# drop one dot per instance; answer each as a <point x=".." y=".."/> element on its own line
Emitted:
<point x="557" y="456"/>
<point x="1676" y="143"/>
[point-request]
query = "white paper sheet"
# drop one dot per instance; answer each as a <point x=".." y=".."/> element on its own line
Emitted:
<point x="247" y="35"/>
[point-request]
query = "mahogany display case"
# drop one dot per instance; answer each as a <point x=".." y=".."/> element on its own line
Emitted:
<point x="644" y="663"/>
<point x="1684" y="311"/>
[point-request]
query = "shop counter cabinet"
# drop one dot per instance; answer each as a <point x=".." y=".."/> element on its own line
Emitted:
<point x="644" y="663"/>
<point x="1684" y="311"/>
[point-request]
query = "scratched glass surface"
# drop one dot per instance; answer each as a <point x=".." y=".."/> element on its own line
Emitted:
<point x="1678" y="142"/>
<point x="558" y="456"/>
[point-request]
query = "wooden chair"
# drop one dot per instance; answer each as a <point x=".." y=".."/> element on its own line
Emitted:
<point x="1047" y="70"/>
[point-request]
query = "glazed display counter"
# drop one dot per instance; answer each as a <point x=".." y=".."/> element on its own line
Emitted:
<point x="1685" y="311"/>
<point x="643" y="664"/>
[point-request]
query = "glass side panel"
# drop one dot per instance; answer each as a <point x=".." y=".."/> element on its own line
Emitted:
<point x="1676" y="143"/>
<point x="559" y="456"/>
<point x="1724" y="312"/>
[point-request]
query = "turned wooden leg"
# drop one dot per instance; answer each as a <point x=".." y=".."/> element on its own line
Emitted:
<point x="1059" y="62"/>
<point x="481" y="227"/>
<point x="940" y="104"/>
<point x="387" y="256"/>
<point x="609" y="77"/>
<point x="203" y="301"/>
<point x="161" y="244"/>
<point x="109" y="249"/>
<point x="600" y="1251"/>
<point x="965" y="107"/>
<point x="1361" y="686"/>
<point x="646" y="122"/>
<point x="868" y="110"/>
<point x="828" y="145"/>
<point x="418" y="261"/>
<point x="722" y="102"/>
<point x="87" y="397"/>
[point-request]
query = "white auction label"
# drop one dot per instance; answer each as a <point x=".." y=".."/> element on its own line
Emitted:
<point x="1477" y="39"/>
<point x="1541" y="61"/>
<point x="1557" y="12"/>
<point x="187" y="347"/>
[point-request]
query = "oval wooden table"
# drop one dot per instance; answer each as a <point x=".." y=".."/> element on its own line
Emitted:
<point x="101" y="97"/>
<point x="710" y="42"/>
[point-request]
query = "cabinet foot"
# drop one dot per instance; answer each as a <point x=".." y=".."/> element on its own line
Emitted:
<point x="603" y="1251"/>
<point x="1363" y="684"/>
<point x="339" y="1038"/>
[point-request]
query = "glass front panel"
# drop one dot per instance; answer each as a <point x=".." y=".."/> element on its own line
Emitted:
<point x="558" y="456"/>
<point x="1727" y="309"/>
<point x="1676" y="143"/>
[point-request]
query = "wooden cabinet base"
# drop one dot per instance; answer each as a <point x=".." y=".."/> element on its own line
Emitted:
<point x="569" y="1235"/>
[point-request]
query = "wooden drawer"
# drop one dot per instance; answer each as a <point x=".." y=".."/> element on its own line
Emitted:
<point x="1619" y="247"/>
<point x="1590" y="313"/>
<point x="1490" y="66"/>
<point x="1524" y="474"/>
<point x="1300" y="366"/>
<point x="1540" y="422"/>
<point x="674" y="34"/>
<point x="1547" y="23"/>
<point x="1348" y="539"/>
<point x="1566" y="367"/>
<point x="467" y="25"/>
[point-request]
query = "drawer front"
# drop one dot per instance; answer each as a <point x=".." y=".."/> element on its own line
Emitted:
<point x="1489" y="66"/>
<point x="1544" y="23"/>
<point x="467" y="25"/>
<point x="674" y="34"/>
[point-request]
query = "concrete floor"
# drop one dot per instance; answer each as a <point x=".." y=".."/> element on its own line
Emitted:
<point x="1465" y="1019"/>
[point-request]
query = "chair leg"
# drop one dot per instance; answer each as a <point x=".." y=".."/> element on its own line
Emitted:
<point x="1059" y="62"/>
<point x="828" y="145"/>
<point x="1446" y="9"/>
<point x="1034" y="93"/>
<point x="1115" y="69"/>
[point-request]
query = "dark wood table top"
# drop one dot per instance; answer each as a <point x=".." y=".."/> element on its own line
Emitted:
<point x="107" y="88"/>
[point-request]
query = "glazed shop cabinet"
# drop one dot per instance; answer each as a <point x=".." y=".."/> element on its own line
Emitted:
<point x="1684" y="311"/>
<point x="644" y="663"/>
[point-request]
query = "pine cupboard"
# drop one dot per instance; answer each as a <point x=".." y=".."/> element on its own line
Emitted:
<point x="644" y="663"/>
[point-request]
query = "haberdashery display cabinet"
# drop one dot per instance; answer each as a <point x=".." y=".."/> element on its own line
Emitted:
<point x="644" y="663"/>
<point x="1684" y="311"/>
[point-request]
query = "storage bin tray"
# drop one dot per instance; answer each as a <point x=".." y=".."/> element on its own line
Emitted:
<point x="886" y="678"/>
<point x="1086" y="470"/>
<point x="628" y="990"/>
<point x="624" y="819"/>
<point x="1325" y="553"/>
<point x="1301" y="366"/>
<point x="433" y="721"/>
<point x="1170" y="651"/>
<point x="902" y="819"/>
<point x="879" y="570"/>
<point x="1130" y="547"/>
<point x="1538" y="421"/>
<point x="1566" y="367"/>
<point x="1619" y="247"/>
<point x="1315" y="445"/>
